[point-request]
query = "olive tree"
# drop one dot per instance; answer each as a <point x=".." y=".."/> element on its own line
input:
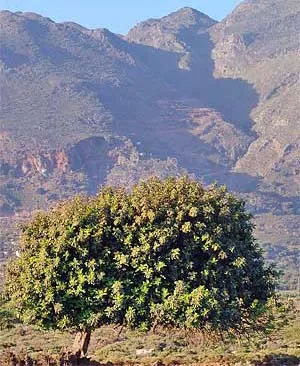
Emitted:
<point x="168" y="253"/>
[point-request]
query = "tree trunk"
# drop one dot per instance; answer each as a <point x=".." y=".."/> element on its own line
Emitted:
<point x="81" y="343"/>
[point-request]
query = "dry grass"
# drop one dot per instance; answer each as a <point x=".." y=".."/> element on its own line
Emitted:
<point x="174" y="347"/>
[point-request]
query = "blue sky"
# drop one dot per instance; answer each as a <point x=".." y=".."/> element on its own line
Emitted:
<point x="117" y="15"/>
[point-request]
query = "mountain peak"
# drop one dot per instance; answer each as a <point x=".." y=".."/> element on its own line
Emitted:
<point x="185" y="17"/>
<point x="21" y="19"/>
<point x="189" y="14"/>
<point x="166" y="33"/>
<point x="189" y="18"/>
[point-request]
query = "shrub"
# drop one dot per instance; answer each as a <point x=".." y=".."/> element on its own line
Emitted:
<point x="168" y="253"/>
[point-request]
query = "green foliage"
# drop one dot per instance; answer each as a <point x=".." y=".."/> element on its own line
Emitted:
<point x="7" y="318"/>
<point x="168" y="253"/>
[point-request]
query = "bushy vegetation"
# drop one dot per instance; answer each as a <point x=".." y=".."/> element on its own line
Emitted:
<point x="170" y="253"/>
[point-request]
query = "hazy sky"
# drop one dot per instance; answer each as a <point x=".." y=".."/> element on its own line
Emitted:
<point x="116" y="15"/>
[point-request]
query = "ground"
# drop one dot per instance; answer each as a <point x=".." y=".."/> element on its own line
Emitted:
<point x="109" y="346"/>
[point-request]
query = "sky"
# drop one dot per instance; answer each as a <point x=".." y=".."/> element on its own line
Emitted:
<point x="116" y="15"/>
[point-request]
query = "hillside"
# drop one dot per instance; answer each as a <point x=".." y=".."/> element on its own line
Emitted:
<point x="82" y="107"/>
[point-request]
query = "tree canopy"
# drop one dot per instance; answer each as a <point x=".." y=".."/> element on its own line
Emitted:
<point x="167" y="253"/>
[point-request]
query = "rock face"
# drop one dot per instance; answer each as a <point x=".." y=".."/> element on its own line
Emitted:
<point x="82" y="107"/>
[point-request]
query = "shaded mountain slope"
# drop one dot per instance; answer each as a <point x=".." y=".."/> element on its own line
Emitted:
<point x="264" y="50"/>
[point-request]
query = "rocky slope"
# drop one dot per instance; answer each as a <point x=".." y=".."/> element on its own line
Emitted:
<point x="264" y="50"/>
<point x="83" y="107"/>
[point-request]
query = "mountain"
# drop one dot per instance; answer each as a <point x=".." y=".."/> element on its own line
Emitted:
<point x="183" y="93"/>
<point x="172" y="32"/>
<point x="263" y="49"/>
